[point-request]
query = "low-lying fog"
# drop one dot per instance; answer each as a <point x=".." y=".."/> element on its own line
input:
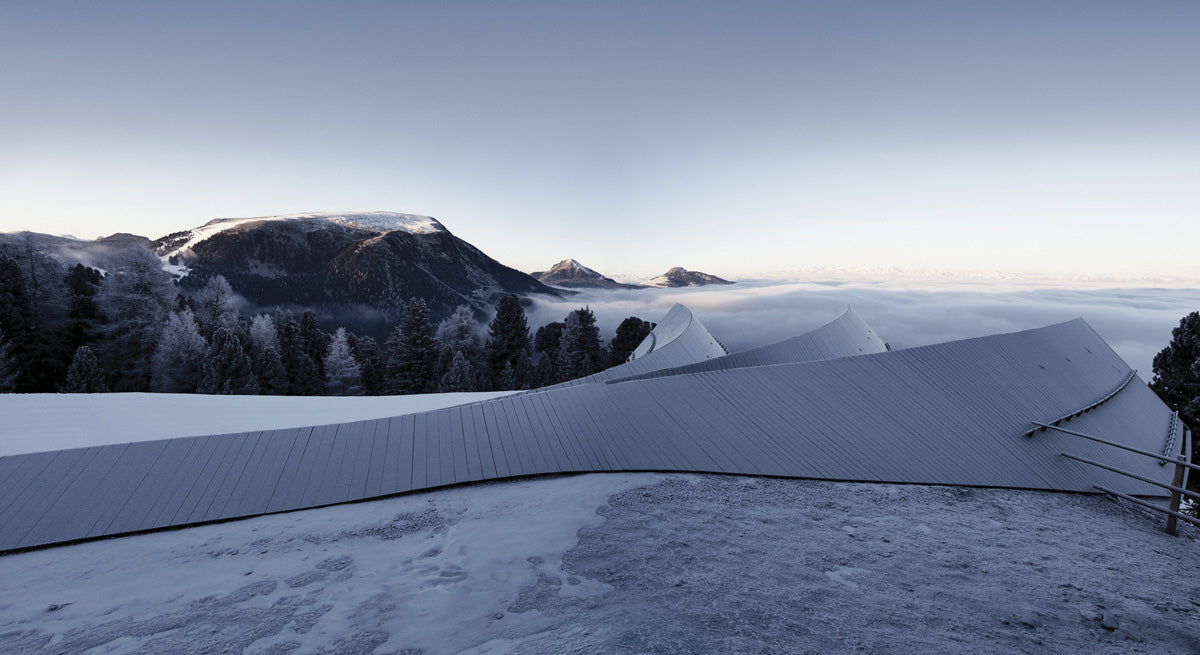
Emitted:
<point x="1136" y="322"/>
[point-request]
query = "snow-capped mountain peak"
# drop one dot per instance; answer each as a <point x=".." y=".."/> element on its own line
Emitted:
<point x="681" y="277"/>
<point x="572" y="268"/>
<point x="381" y="221"/>
<point x="570" y="273"/>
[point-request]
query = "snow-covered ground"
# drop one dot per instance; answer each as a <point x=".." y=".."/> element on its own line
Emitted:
<point x="629" y="563"/>
<point x="598" y="563"/>
<point x="40" y="422"/>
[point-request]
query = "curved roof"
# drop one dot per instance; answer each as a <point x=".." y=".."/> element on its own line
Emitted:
<point x="844" y="336"/>
<point x="679" y="338"/>
<point x="951" y="413"/>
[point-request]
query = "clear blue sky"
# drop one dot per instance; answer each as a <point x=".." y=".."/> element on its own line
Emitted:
<point x="737" y="138"/>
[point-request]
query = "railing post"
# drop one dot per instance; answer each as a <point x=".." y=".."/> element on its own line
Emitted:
<point x="1172" y="521"/>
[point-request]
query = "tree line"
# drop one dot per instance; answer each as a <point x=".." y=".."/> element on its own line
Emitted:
<point x="82" y="330"/>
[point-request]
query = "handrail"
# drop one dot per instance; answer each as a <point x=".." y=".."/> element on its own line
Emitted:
<point x="1089" y="408"/>
<point x="1179" y="515"/>
<point x="1180" y="490"/>
<point x="1131" y="449"/>
<point x="1177" y="487"/>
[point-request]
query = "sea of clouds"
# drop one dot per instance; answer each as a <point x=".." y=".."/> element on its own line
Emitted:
<point x="1136" y="322"/>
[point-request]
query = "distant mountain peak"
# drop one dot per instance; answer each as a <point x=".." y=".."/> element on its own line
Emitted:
<point x="570" y="273"/>
<point x="681" y="277"/>
<point x="573" y="268"/>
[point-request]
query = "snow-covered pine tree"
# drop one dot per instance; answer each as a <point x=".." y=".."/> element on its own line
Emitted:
<point x="272" y="376"/>
<point x="342" y="372"/>
<point x="460" y="376"/>
<point x="263" y="335"/>
<point x="371" y="363"/>
<point x="134" y="298"/>
<point x="215" y="306"/>
<point x="84" y="374"/>
<point x="412" y="352"/>
<point x="460" y="333"/>
<point x="178" y="356"/>
<point x="508" y="340"/>
<point x="8" y="366"/>
<point x="226" y="367"/>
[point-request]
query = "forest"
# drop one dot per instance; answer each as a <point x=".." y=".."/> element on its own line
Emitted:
<point x="132" y="328"/>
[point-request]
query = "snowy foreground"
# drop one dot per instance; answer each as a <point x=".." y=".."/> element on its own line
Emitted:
<point x="629" y="563"/>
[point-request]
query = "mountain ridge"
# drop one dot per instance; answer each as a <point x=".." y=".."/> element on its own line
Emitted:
<point x="681" y="277"/>
<point x="571" y="274"/>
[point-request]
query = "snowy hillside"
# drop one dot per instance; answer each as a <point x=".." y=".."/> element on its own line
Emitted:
<point x="182" y="242"/>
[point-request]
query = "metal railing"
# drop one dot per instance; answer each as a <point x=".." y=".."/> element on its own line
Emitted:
<point x="1177" y="487"/>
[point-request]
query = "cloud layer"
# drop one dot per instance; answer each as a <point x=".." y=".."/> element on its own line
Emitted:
<point x="1137" y="323"/>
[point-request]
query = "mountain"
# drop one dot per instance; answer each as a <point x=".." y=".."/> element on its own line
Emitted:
<point x="353" y="269"/>
<point x="571" y="274"/>
<point x="680" y="277"/>
<point x="70" y="250"/>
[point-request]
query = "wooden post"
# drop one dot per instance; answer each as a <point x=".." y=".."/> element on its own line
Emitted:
<point x="1172" y="521"/>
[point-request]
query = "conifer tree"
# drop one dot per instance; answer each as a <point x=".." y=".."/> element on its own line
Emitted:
<point x="581" y="353"/>
<point x="84" y="316"/>
<point x="371" y="363"/>
<point x="460" y="333"/>
<point x="46" y="350"/>
<point x="215" y="306"/>
<point x="547" y="341"/>
<point x="14" y="311"/>
<point x="343" y="374"/>
<point x="304" y="379"/>
<point x="272" y="376"/>
<point x="226" y="368"/>
<point x="263" y="335"/>
<point x="84" y="374"/>
<point x="178" y="355"/>
<point x="8" y="366"/>
<point x="508" y="341"/>
<point x="134" y="299"/>
<point x="313" y="341"/>
<point x="460" y="376"/>
<point x="630" y="334"/>
<point x="413" y="352"/>
<point x="543" y="374"/>
<point x="1177" y="378"/>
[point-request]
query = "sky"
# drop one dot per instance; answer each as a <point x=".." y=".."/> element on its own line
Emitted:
<point x="741" y="139"/>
